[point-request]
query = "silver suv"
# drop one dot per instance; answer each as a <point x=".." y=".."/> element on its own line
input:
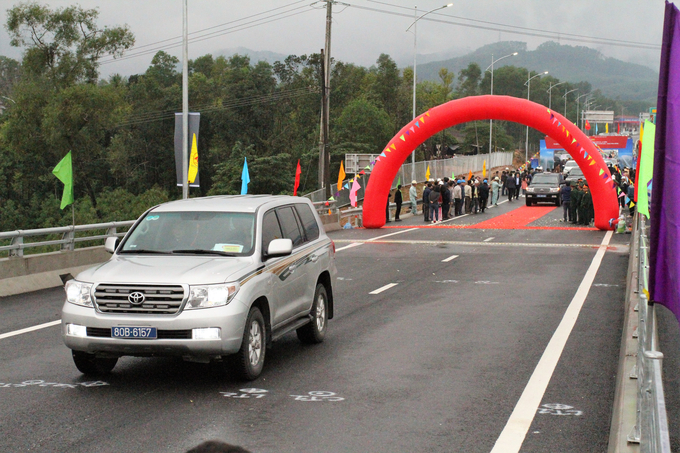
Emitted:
<point x="205" y="279"/>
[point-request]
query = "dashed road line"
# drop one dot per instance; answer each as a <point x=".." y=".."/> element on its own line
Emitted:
<point x="493" y="244"/>
<point x="363" y="241"/>
<point x="450" y="258"/>
<point x="29" y="329"/>
<point x="383" y="288"/>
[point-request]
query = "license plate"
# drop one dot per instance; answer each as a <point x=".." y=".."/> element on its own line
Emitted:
<point x="541" y="196"/>
<point x="133" y="332"/>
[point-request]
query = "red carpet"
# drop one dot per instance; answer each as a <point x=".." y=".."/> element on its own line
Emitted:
<point x="517" y="218"/>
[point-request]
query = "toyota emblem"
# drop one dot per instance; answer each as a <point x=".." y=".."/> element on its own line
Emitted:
<point x="136" y="298"/>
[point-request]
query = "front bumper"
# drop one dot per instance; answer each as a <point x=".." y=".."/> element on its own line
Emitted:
<point x="542" y="197"/>
<point x="230" y="319"/>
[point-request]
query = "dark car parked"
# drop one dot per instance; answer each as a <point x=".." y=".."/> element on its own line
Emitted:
<point x="574" y="175"/>
<point x="544" y="188"/>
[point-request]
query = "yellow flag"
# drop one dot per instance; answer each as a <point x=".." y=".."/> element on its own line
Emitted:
<point x="606" y="128"/>
<point x="427" y="173"/>
<point x="484" y="169"/>
<point x="193" y="161"/>
<point x="341" y="176"/>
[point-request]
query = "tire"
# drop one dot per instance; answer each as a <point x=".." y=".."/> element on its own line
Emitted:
<point x="92" y="365"/>
<point x="529" y="202"/>
<point x="315" y="331"/>
<point x="249" y="360"/>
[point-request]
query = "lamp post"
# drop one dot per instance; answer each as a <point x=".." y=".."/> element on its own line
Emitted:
<point x="415" y="62"/>
<point x="491" y="66"/>
<point x="550" y="93"/>
<point x="578" y="115"/>
<point x="528" y="85"/>
<point x="565" y="100"/>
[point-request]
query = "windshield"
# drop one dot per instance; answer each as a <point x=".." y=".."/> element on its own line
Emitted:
<point x="576" y="172"/>
<point x="193" y="232"/>
<point x="544" y="178"/>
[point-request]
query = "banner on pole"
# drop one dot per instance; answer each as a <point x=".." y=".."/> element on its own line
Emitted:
<point x="194" y="122"/>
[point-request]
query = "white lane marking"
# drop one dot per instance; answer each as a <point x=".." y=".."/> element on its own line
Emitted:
<point x="512" y="436"/>
<point x="617" y="248"/>
<point x="384" y="288"/>
<point x="353" y="244"/>
<point x="391" y="234"/>
<point x="29" y="329"/>
<point x="450" y="258"/>
<point x="489" y="239"/>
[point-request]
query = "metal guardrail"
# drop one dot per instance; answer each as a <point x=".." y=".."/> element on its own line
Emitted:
<point x="68" y="239"/>
<point x="651" y="427"/>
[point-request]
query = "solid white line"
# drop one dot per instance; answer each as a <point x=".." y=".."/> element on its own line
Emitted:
<point x="512" y="436"/>
<point x="391" y="234"/>
<point x="353" y="244"/>
<point x="363" y="241"/>
<point x="384" y="288"/>
<point x="489" y="239"/>
<point x="29" y="329"/>
<point x="452" y="257"/>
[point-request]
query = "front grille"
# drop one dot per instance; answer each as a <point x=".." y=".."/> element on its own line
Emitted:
<point x="159" y="299"/>
<point x="161" y="334"/>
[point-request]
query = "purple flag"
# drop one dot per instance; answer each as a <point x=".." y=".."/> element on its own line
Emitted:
<point x="664" y="272"/>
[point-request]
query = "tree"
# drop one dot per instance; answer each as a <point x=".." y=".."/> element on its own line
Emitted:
<point x="64" y="45"/>
<point x="468" y="80"/>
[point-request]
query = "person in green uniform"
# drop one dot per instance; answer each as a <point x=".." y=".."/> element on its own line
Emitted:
<point x="587" y="205"/>
<point x="576" y="195"/>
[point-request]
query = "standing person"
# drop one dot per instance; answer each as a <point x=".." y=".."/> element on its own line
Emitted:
<point x="525" y="184"/>
<point x="504" y="178"/>
<point x="518" y="185"/>
<point x="467" y="190"/>
<point x="434" y="203"/>
<point x="565" y="194"/>
<point x="587" y="203"/>
<point x="413" y="195"/>
<point x="457" y="199"/>
<point x="398" y="200"/>
<point x="510" y="186"/>
<point x="483" y="195"/>
<point x="452" y="205"/>
<point x="475" y="197"/>
<point x="576" y="195"/>
<point x="387" y="209"/>
<point x="495" y="191"/>
<point x="446" y="200"/>
<point x="426" y="201"/>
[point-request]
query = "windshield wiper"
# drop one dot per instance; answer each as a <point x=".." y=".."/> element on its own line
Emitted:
<point x="205" y="252"/>
<point x="145" y="251"/>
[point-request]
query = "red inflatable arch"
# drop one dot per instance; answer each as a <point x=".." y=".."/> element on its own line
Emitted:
<point x="505" y="108"/>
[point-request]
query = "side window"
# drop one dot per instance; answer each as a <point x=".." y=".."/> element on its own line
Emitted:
<point x="270" y="229"/>
<point x="289" y="225"/>
<point x="308" y="221"/>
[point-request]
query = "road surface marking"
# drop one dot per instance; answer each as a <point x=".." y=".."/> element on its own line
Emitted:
<point x="384" y="288"/>
<point x="450" y="258"/>
<point x="512" y="436"/>
<point x="29" y="329"/>
<point x="489" y="239"/>
<point x="493" y="244"/>
<point x="363" y="241"/>
<point x="353" y="244"/>
<point x="391" y="234"/>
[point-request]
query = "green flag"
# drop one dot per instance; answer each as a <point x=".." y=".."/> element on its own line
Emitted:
<point x="64" y="172"/>
<point x="399" y="181"/>
<point x="646" y="168"/>
<point x="453" y="175"/>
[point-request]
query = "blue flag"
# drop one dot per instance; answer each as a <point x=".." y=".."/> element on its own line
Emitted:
<point x="245" y="177"/>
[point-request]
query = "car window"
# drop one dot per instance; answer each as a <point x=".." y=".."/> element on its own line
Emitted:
<point x="544" y="178"/>
<point x="270" y="229"/>
<point x="289" y="225"/>
<point x="308" y="221"/>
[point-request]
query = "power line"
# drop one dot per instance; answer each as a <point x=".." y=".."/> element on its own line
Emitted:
<point x="516" y="29"/>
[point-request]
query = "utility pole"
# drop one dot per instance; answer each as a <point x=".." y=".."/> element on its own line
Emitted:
<point x="185" y="103"/>
<point x="324" y="154"/>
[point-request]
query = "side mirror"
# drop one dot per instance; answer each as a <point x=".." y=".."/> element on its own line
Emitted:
<point x="111" y="244"/>
<point x="279" y="247"/>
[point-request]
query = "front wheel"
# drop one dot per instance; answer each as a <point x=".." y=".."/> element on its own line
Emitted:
<point x="529" y="202"/>
<point x="315" y="331"/>
<point x="93" y="365"/>
<point x="249" y="360"/>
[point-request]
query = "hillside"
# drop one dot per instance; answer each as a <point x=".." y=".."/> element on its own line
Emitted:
<point x="616" y="78"/>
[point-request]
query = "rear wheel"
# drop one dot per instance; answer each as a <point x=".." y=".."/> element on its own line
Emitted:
<point x="249" y="360"/>
<point x="93" y="365"/>
<point x="315" y="331"/>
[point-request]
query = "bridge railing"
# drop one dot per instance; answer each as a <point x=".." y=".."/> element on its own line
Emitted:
<point x="651" y="427"/>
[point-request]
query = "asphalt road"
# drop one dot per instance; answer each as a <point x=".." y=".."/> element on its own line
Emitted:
<point x="434" y="363"/>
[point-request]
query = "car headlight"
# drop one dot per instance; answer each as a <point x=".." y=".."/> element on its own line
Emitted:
<point x="554" y="189"/>
<point x="207" y="296"/>
<point x="79" y="293"/>
<point x="530" y="189"/>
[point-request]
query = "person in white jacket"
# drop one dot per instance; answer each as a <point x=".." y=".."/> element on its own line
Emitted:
<point x="413" y="195"/>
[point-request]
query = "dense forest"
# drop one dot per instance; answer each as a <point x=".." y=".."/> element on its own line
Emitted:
<point x="120" y="131"/>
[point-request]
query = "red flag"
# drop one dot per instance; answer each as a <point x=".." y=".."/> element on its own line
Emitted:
<point x="587" y="125"/>
<point x="298" y="172"/>
<point x="618" y="128"/>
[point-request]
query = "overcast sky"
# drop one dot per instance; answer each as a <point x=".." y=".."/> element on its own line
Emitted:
<point x="364" y="30"/>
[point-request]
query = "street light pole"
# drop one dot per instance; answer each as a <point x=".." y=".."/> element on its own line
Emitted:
<point x="565" y="101"/>
<point x="528" y="84"/>
<point x="491" y="120"/>
<point x="578" y="116"/>
<point x="185" y="102"/>
<point x="550" y="93"/>
<point x="415" y="56"/>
